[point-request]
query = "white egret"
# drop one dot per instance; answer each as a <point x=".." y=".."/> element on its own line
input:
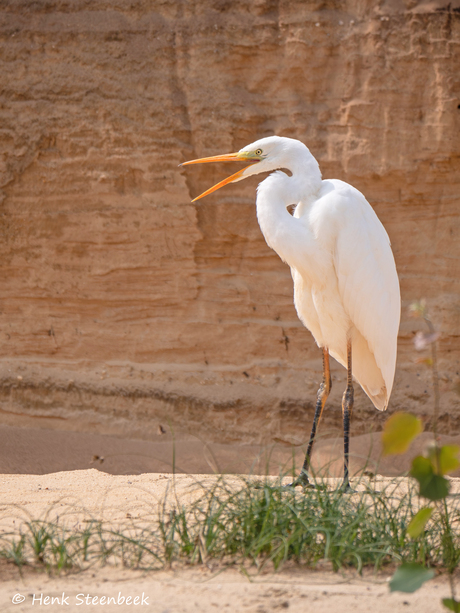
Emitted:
<point x="346" y="289"/>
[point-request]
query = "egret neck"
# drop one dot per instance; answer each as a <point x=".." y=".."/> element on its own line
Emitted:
<point x="283" y="232"/>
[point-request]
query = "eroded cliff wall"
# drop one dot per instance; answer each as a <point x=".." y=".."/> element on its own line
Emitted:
<point x="122" y="303"/>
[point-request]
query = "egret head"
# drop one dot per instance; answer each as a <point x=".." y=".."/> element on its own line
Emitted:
<point x="263" y="155"/>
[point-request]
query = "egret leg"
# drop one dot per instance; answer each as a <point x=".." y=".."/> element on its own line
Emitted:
<point x="323" y="393"/>
<point x="347" y="409"/>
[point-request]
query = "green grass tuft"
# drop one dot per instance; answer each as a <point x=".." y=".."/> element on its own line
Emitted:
<point x="259" y="523"/>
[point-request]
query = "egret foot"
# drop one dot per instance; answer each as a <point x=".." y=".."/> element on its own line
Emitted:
<point x="346" y="488"/>
<point x="304" y="482"/>
<point x="301" y="481"/>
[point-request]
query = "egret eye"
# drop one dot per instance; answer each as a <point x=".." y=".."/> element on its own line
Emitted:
<point x="258" y="152"/>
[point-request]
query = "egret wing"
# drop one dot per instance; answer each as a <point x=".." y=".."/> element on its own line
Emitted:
<point x="368" y="284"/>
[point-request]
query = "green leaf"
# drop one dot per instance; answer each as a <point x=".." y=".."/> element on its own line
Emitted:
<point x="447" y="459"/>
<point x="451" y="604"/>
<point x="399" y="431"/>
<point x="418" y="522"/>
<point x="421" y="468"/>
<point x="432" y="486"/>
<point x="409" y="577"/>
<point x="435" y="488"/>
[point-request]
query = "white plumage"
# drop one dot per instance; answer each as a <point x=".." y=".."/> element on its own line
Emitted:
<point x="346" y="287"/>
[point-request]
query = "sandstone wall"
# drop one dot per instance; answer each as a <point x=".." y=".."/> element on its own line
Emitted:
<point x="123" y="304"/>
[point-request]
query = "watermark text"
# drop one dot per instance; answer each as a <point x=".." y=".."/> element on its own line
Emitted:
<point x="78" y="600"/>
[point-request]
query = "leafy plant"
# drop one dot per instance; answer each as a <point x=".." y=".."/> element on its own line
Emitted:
<point x="429" y="471"/>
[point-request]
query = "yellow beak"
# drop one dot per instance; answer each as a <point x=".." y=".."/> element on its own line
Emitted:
<point x="227" y="157"/>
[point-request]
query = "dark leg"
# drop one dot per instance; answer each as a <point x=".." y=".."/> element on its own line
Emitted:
<point x="322" y="395"/>
<point x="347" y="409"/>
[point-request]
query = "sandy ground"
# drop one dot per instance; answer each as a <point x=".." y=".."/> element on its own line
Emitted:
<point x="203" y="590"/>
<point x="49" y="473"/>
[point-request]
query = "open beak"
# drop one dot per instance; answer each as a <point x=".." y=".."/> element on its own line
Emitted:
<point x="227" y="157"/>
